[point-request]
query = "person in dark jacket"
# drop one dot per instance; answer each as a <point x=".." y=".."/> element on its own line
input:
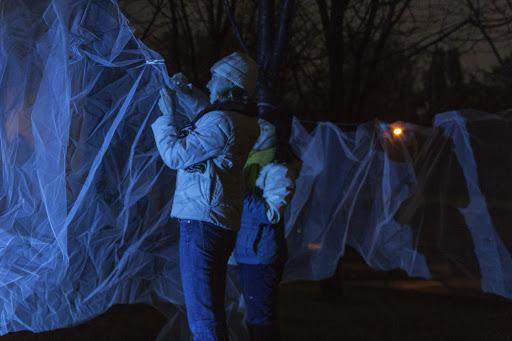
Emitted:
<point x="260" y="250"/>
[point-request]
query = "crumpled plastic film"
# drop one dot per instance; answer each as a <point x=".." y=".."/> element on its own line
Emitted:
<point x="85" y="198"/>
<point x="434" y="202"/>
<point x="350" y="187"/>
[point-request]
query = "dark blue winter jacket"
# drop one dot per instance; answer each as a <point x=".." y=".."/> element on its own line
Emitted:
<point x="259" y="241"/>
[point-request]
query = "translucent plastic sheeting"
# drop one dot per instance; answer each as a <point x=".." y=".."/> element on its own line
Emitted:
<point x="436" y="203"/>
<point x="85" y="199"/>
<point x="350" y="188"/>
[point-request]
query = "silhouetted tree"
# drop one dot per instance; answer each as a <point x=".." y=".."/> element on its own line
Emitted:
<point x="340" y="60"/>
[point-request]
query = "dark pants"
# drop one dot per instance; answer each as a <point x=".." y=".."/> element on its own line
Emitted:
<point x="260" y="286"/>
<point x="204" y="253"/>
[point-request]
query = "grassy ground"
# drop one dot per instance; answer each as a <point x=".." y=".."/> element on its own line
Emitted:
<point x="378" y="310"/>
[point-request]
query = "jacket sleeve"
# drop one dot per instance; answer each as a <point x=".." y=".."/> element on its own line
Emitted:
<point x="277" y="186"/>
<point x="255" y="210"/>
<point x="208" y="140"/>
<point x="192" y="100"/>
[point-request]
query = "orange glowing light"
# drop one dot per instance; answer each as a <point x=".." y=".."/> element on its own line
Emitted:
<point x="398" y="131"/>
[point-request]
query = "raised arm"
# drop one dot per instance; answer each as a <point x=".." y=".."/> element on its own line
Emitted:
<point x="209" y="139"/>
<point x="189" y="97"/>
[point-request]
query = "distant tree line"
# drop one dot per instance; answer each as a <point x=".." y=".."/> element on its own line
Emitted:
<point x="343" y="60"/>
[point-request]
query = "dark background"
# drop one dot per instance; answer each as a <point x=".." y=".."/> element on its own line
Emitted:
<point x="346" y="60"/>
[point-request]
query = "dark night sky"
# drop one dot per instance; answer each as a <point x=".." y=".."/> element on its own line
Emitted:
<point x="427" y="16"/>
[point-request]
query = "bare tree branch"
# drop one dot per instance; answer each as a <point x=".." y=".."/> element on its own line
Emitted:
<point x="235" y="26"/>
<point x="158" y="9"/>
<point x="478" y="23"/>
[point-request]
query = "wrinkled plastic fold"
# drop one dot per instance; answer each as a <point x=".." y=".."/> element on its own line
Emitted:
<point x="85" y="198"/>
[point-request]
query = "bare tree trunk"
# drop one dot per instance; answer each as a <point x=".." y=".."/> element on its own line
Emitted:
<point x="265" y="37"/>
<point x="333" y="21"/>
<point x="355" y="84"/>
<point x="272" y="42"/>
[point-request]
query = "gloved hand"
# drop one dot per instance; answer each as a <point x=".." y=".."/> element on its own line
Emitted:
<point x="180" y="82"/>
<point x="189" y="98"/>
<point x="165" y="103"/>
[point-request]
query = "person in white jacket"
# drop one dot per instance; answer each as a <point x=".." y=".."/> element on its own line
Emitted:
<point x="209" y="156"/>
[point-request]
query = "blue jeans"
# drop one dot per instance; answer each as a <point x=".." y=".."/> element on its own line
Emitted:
<point x="260" y="287"/>
<point x="204" y="253"/>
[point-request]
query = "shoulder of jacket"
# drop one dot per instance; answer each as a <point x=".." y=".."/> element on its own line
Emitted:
<point x="274" y="167"/>
<point x="216" y="117"/>
<point x="274" y="171"/>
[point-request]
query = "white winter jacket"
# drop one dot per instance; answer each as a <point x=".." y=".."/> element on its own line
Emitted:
<point x="210" y="161"/>
<point x="276" y="186"/>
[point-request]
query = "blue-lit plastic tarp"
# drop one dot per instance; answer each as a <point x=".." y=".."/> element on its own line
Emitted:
<point x="85" y="199"/>
<point x="431" y="200"/>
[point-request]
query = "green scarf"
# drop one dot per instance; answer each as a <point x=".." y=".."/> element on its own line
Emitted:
<point x="255" y="161"/>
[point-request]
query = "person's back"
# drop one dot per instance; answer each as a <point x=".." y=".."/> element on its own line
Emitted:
<point x="211" y="190"/>
<point x="209" y="156"/>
